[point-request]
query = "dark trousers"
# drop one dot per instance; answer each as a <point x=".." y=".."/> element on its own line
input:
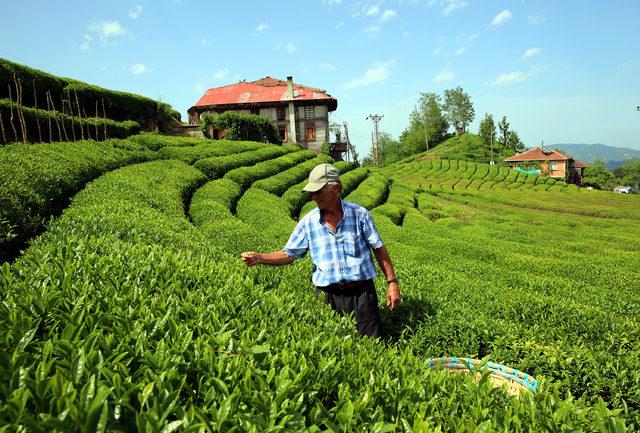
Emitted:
<point x="359" y="298"/>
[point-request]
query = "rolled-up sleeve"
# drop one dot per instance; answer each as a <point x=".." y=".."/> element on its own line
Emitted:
<point x="370" y="232"/>
<point x="298" y="244"/>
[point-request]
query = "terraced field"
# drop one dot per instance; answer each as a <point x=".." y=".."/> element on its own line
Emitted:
<point x="132" y="311"/>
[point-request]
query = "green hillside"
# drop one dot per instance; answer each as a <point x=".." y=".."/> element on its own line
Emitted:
<point x="133" y="312"/>
<point x="466" y="147"/>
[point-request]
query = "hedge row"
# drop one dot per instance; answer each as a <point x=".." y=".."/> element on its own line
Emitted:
<point x="37" y="181"/>
<point x="351" y="180"/>
<point x="279" y="183"/>
<point x="217" y="166"/>
<point x="245" y="176"/>
<point x="55" y="126"/>
<point x="214" y="201"/>
<point x="119" y="106"/>
<point x="268" y="213"/>
<point x="371" y="192"/>
<point x="209" y="149"/>
<point x="156" y="141"/>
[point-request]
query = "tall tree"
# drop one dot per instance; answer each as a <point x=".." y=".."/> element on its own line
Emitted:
<point x="487" y="132"/>
<point x="458" y="108"/>
<point x="504" y="131"/>
<point x="427" y="125"/>
<point x="513" y="142"/>
<point x="597" y="175"/>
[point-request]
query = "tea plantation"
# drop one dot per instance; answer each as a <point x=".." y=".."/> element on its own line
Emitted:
<point x="130" y="310"/>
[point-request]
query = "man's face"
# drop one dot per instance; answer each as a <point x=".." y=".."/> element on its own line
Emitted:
<point x="325" y="196"/>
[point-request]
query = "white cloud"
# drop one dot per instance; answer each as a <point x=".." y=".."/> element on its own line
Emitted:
<point x="372" y="30"/>
<point x="536" y="19"/>
<point x="331" y="2"/>
<point x="220" y="74"/>
<point x="87" y="42"/>
<point x="444" y="75"/>
<point x="291" y="47"/>
<point x="464" y="38"/>
<point x="137" y="68"/>
<point x="437" y="52"/>
<point x="460" y="51"/>
<point x="501" y="18"/>
<point x="378" y="72"/>
<point x="135" y="13"/>
<point x="452" y="5"/>
<point x="387" y="15"/>
<point x="324" y="66"/>
<point x="517" y="77"/>
<point x="262" y="27"/>
<point x="106" y="30"/>
<point x="373" y="10"/>
<point x="622" y="68"/>
<point x="531" y="52"/>
<point x="340" y="24"/>
<point x="199" y="87"/>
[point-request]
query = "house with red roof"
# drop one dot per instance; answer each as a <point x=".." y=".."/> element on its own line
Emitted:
<point x="553" y="163"/>
<point x="300" y="113"/>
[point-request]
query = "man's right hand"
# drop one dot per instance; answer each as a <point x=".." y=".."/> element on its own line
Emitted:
<point x="250" y="258"/>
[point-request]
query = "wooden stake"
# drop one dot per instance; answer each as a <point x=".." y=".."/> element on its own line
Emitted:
<point x="104" y="116"/>
<point x="96" y="122"/>
<point x="35" y="101"/>
<point x="56" y="118"/>
<point x="64" y="128"/>
<point x="73" y="129"/>
<point x="87" y="125"/>
<point x="79" y="114"/>
<point x="49" y="115"/>
<point x="23" y="125"/>
<point x="15" y="133"/>
<point x="4" y="136"/>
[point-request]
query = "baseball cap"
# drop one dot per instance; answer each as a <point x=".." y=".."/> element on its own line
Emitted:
<point x="320" y="176"/>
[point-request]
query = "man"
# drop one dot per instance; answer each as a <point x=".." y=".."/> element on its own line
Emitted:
<point x="338" y="236"/>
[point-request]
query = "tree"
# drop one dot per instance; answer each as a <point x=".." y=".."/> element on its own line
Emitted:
<point x="427" y="125"/>
<point x="504" y="131"/>
<point x="389" y="150"/>
<point x="513" y="142"/>
<point x="629" y="173"/>
<point x="458" y="108"/>
<point x="487" y="132"/>
<point x="597" y="175"/>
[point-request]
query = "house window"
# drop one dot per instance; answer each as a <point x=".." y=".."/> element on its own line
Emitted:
<point x="255" y="111"/>
<point x="553" y="166"/>
<point x="282" y="132"/>
<point x="310" y="113"/>
<point x="310" y="129"/>
<point x="281" y="113"/>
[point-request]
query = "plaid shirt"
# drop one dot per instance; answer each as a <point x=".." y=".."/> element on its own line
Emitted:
<point x="341" y="256"/>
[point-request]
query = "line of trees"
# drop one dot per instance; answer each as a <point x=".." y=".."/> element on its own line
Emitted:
<point x="598" y="176"/>
<point x="499" y="146"/>
<point x="429" y="123"/>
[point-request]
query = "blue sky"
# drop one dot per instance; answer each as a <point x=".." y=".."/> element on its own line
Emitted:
<point x="561" y="71"/>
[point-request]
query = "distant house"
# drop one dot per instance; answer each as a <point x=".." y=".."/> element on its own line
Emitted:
<point x="301" y="113"/>
<point x="622" y="189"/>
<point x="551" y="162"/>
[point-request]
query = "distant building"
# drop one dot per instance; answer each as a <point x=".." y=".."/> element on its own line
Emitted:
<point x="551" y="162"/>
<point x="622" y="189"/>
<point x="301" y="113"/>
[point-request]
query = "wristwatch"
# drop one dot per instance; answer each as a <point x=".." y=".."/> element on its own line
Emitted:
<point x="393" y="280"/>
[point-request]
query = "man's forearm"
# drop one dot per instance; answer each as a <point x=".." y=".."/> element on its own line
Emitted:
<point x="275" y="258"/>
<point x="382" y="256"/>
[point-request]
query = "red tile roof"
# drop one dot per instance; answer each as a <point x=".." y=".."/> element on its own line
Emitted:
<point x="266" y="89"/>
<point x="580" y="164"/>
<point x="539" y="154"/>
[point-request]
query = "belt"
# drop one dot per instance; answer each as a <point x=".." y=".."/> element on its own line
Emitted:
<point x="346" y="288"/>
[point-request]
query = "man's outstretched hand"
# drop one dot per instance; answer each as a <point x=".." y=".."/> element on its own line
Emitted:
<point x="250" y="258"/>
<point x="393" y="295"/>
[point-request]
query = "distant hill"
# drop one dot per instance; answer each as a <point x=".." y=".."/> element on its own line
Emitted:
<point x="611" y="155"/>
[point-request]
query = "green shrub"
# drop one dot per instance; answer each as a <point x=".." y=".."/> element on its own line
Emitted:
<point x="209" y="149"/>
<point x="281" y="182"/>
<point x="370" y="193"/>
<point x="246" y="175"/>
<point x="216" y="167"/>
<point x="244" y="127"/>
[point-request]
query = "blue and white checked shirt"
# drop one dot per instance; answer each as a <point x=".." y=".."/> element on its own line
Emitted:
<point x="341" y="256"/>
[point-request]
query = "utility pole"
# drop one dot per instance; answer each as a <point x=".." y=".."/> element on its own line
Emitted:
<point x="376" y="119"/>
<point x="349" y="146"/>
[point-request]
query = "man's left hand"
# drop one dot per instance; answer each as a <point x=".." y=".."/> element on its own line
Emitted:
<point x="393" y="295"/>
